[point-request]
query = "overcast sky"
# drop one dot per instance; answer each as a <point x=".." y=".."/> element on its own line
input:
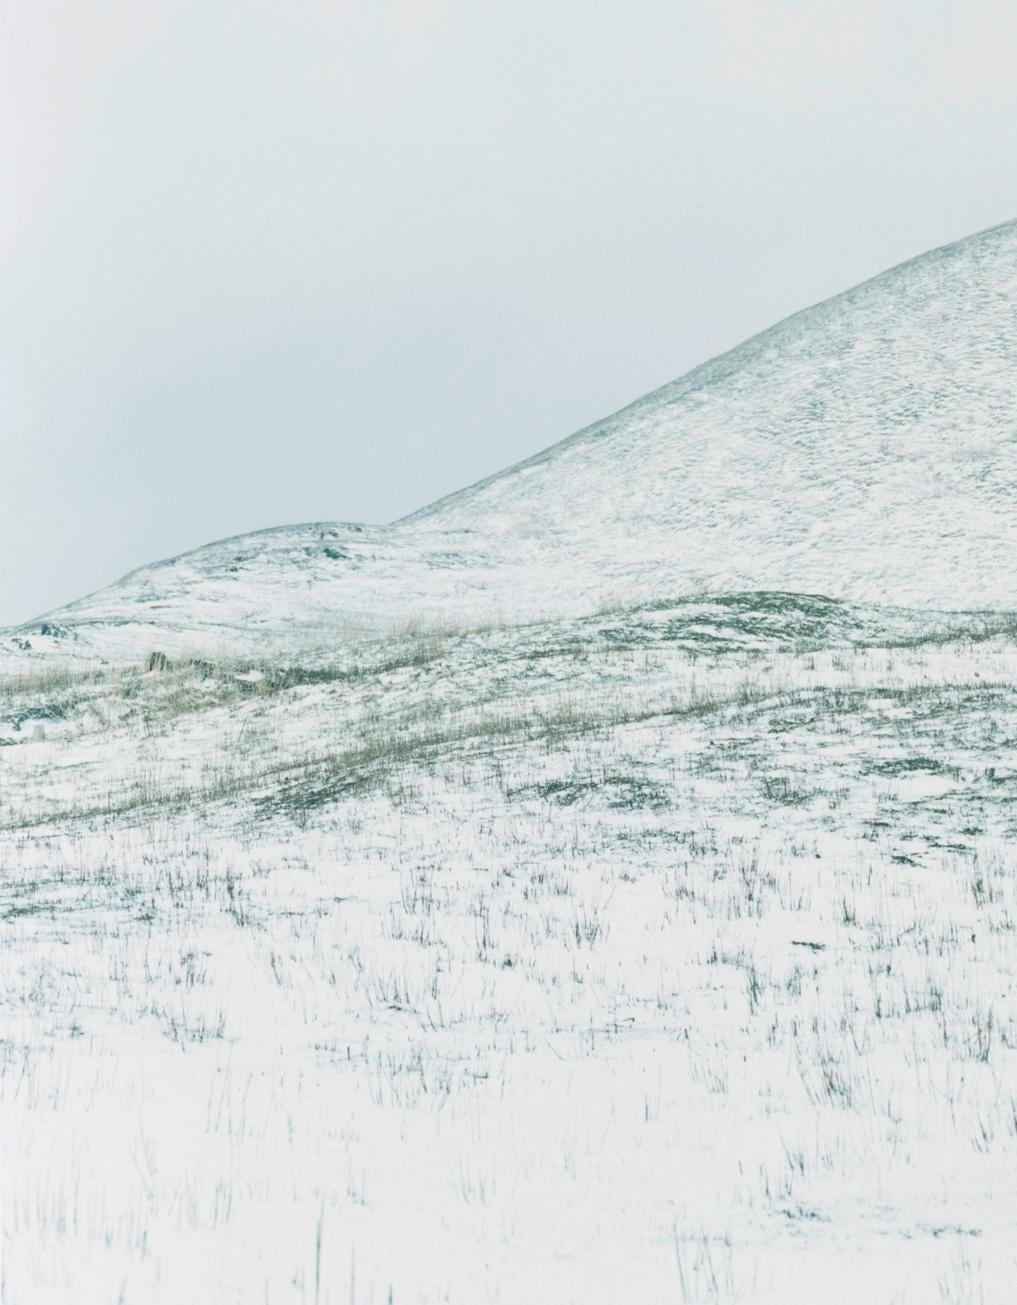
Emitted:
<point x="268" y="262"/>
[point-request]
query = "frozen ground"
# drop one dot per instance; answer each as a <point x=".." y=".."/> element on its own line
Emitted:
<point x="599" y="889"/>
<point x="665" y="955"/>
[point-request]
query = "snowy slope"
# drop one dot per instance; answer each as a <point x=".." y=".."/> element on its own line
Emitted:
<point x="865" y="449"/>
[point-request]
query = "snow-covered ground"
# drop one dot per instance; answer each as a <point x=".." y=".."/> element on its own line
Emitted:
<point x="662" y="956"/>
<point x="566" y="896"/>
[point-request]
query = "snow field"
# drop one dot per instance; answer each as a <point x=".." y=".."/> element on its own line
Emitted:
<point x="636" y="959"/>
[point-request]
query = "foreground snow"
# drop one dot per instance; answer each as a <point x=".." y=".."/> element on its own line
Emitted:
<point x="664" y="955"/>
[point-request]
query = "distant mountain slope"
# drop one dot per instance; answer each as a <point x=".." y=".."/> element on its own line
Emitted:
<point x="864" y="449"/>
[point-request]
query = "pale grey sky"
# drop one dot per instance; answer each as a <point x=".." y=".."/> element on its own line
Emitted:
<point x="268" y="262"/>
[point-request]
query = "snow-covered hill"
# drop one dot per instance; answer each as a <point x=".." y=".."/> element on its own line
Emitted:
<point x="863" y="449"/>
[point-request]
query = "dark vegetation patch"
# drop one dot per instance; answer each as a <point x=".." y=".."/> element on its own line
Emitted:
<point x="38" y="712"/>
<point x="615" y="792"/>
<point x="718" y="623"/>
<point x="784" y="790"/>
<point x="312" y="783"/>
<point x="893" y="767"/>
